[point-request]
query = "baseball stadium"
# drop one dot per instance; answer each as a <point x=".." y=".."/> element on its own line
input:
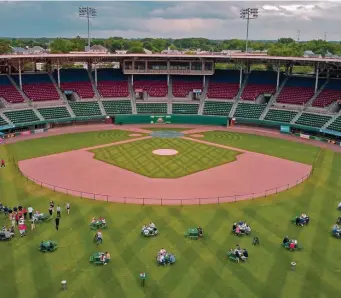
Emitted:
<point x="183" y="179"/>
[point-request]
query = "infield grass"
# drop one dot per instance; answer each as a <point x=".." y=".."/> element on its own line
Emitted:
<point x="201" y="270"/>
<point x="138" y="157"/>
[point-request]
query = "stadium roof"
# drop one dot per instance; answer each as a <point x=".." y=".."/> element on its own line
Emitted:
<point x="96" y="57"/>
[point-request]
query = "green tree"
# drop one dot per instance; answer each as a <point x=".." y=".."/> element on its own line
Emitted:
<point x="5" y="47"/>
<point x="60" y="45"/>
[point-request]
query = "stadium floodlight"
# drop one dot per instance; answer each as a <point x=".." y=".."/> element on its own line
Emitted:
<point x="248" y="14"/>
<point x="88" y="13"/>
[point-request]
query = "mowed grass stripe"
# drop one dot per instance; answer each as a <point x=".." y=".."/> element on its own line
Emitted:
<point x="202" y="269"/>
<point x="138" y="157"/>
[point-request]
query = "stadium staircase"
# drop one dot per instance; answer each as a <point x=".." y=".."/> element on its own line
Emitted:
<point x="41" y="118"/>
<point x="273" y="99"/>
<point x="170" y="96"/>
<point x="101" y="107"/>
<point x="203" y="97"/>
<point x="61" y="94"/>
<point x="240" y="92"/>
<point x="22" y="93"/>
<point x="6" y="121"/>
<point x="335" y="121"/>
<point x="132" y="97"/>
<point x="97" y="95"/>
<point x="311" y="100"/>
<point x="70" y="110"/>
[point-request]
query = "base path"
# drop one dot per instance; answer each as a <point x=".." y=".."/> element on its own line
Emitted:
<point x="252" y="175"/>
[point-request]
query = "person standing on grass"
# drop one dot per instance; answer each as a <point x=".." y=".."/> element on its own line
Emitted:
<point x="3" y="165"/>
<point x="57" y="222"/>
<point x="33" y="225"/>
<point x="50" y="210"/>
<point x="30" y="211"/>
<point x="68" y="208"/>
<point x="52" y="206"/>
<point x="58" y="211"/>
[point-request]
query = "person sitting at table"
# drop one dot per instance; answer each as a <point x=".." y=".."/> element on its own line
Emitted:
<point x="237" y="231"/>
<point x="151" y="225"/>
<point x="338" y="221"/>
<point x="234" y="226"/>
<point x="107" y="256"/>
<point x="298" y="221"/>
<point x="162" y="252"/>
<point x="285" y="240"/>
<point x="339" y="206"/>
<point x="248" y="229"/>
<point x="237" y="254"/>
<point x="200" y="232"/>
<point x="336" y="228"/>
<point x="93" y="220"/>
<point x="245" y="253"/>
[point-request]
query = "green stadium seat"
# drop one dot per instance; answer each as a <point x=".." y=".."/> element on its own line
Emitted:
<point x="251" y="111"/>
<point x="335" y="125"/>
<point x="185" y="108"/>
<point x="217" y="108"/>
<point x="114" y="107"/>
<point x="54" y="113"/>
<point x="280" y="115"/>
<point x="22" y="116"/>
<point x="313" y="120"/>
<point x="3" y="122"/>
<point x="85" y="108"/>
<point x="151" y="108"/>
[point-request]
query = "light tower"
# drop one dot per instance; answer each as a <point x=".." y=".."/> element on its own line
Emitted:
<point x="248" y="14"/>
<point x="88" y="13"/>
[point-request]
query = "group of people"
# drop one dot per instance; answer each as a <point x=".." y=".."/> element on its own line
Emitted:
<point x="240" y="254"/>
<point x="336" y="231"/>
<point x="165" y="258"/>
<point x="6" y="233"/>
<point x="291" y="244"/>
<point x="241" y="227"/>
<point x="302" y="220"/>
<point x="105" y="257"/>
<point x="17" y="217"/>
<point x="149" y="229"/>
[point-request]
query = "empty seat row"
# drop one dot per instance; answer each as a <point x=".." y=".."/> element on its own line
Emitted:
<point x="251" y="111"/>
<point x="183" y="108"/>
<point x="313" y="120"/>
<point x="86" y="109"/>
<point x="217" y="108"/>
<point x="153" y="88"/>
<point x="280" y="115"/>
<point x="54" y="113"/>
<point x="22" y="116"/>
<point x="83" y="89"/>
<point x="182" y="89"/>
<point x="222" y="90"/>
<point x="114" y="107"/>
<point x="113" y="88"/>
<point x="335" y="125"/>
<point x="252" y="91"/>
<point x="151" y="108"/>
<point x="3" y="122"/>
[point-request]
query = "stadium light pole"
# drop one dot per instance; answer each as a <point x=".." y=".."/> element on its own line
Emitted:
<point x="248" y="14"/>
<point x="88" y="13"/>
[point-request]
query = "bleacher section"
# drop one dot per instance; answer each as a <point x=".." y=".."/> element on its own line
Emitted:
<point x="151" y="108"/>
<point x="183" y="108"/>
<point x="117" y="107"/>
<point x="76" y="80"/>
<point x="251" y="111"/>
<point x="224" y="84"/>
<point x="3" y="122"/>
<point x="297" y="91"/>
<point x="335" y="125"/>
<point x="183" y="85"/>
<point x="313" y="120"/>
<point x="21" y="116"/>
<point x="280" y="115"/>
<point x="217" y="108"/>
<point x="258" y="83"/>
<point x="111" y="83"/>
<point x="54" y="113"/>
<point x="37" y="87"/>
<point x="8" y="91"/>
<point x="330" y="93"/>
<point x="155" y="86"/>
<point x="85" y="109"/>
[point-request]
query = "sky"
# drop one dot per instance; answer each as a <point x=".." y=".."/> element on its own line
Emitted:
<point x="208" y="19"/>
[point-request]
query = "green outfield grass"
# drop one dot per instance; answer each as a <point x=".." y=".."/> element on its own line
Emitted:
<point x="201" y="270"/>
<point x="138" y="157"/>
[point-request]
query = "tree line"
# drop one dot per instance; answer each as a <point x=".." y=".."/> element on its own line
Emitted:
<point x="282" y="47"/>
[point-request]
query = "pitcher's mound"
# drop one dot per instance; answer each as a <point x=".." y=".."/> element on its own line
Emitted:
<point x="165" y="152"/>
